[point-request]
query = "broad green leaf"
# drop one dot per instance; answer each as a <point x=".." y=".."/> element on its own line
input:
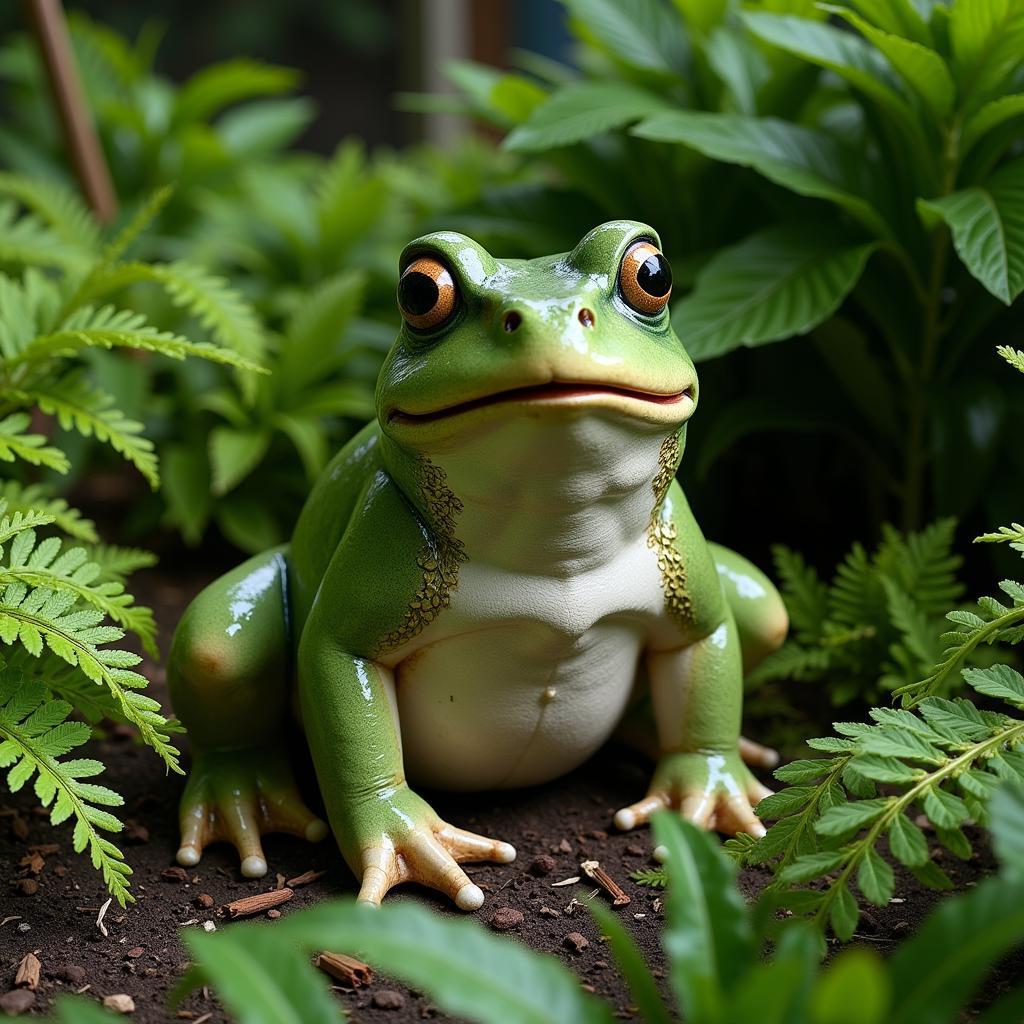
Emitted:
<point x="740" y="65"/>
<point x="988" y="41"/>
<point x="811" y="866"/>
<point x="778" y="991"/>
<point x="843" y="914"/>
<point x="883" y="768"/>
<point x="645" y="34"/>
<point x="894" y="741"/>
<point x="875" y="879"/>
<point x="899" y="17"/>
<point x="79" y="1010"/>
<point x="800" y="159"/>
<point x="853" y="989"/>
<point x="990" y="116"/>
<point x="708" y="939"/>
<point x="219" y="85"/>
<point x="848" y="817"/>
<point x="778" y="805"/>
<point x="264" y="127"/>
<point x="987" y="222"/>
<point x="944" y="809"/>
<point x="234" y="454"/>
<point x="907" y="842"/>
<point x="581" y="111"/>
<point x="466" y="971"/>
<point x="921" y="68"/>
<point x="935" y="971"/>
<point x="260" y="978"/>
<point x="702" y="15"/>
<point x="186" y="489"/>
<point x="1007" y="824"/>
<point x="997" y="681"/>
<point x="847" y="55"/>
<point x="773" y="285"/>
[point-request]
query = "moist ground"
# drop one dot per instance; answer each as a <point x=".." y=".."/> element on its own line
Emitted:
<point x="568" y="821"/>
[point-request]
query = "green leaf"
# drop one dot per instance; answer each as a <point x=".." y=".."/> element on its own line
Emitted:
<point x="843" y="914"/>
<point x="987" y="37"/>
<point x="997" y="681"/>
<point x="848" y="817"/>
<point x="262" y="979"/>
<point x="30" y="448"/>
<point x="467" y="971"/>
<point x="1007" y="823"/>
<point x="853" y="989"/>
<point x="265" y="127"/>
<point x="907" y="842"/>
<point x="934" y="972"/>
<point x="234" y="454"/>
<point x="804" y="770"/>
<point x="811" y="866"/>
<point x="987" y="222"/>
<point x="775" y="284"/>
<point x="219" y="85"/>
<point x="800" y="159"/>
<point x="923" y="69"/>
<point x="839" y="51"/>
<point x="582" y="111"/>
<point x="630" y="961"/>
<point x="991" y="115"/>
<point x="899" y="17"/>
<point x="875" y="879"/>
<point x="894" y="741"/>
<point x="708" y="939"/>
<point x="882" y="768"/>
<point x="944" y="810"/>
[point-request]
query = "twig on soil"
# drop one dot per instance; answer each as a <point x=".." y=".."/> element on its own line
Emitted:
<point x="592" y="869"/>
<point x="347" y="969"/>
<point x="257" y="904"/>
<point x="304" y="879"/>
<point x="566" y="881"/>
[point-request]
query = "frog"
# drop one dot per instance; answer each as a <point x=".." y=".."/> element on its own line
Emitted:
<point x="490" y="581"/>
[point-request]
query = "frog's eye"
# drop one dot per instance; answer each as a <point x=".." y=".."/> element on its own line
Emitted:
<point x="645" y="278"/>
<point x="426" y="293"/>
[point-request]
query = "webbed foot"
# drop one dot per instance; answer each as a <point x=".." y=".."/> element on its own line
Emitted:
<point x="238" y="796"/>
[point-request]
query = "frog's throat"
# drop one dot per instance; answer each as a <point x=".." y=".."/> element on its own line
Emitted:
<point x="662" y="535"/>
<point x="438" y="558"/>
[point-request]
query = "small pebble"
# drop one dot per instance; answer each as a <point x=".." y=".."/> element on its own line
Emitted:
<point x="549" y="912"/>
<point x="273" y="913"/>
<point x="576" y="942"/>
<point x="597" y="833"/>
<point x="174" y="874"/>
<point x="542" y="865"/>
<point x="636" y="850"/>
<point x="73" y="974"/>
<point x="203" y="901"/>
<point x="27" y="886"/>
<point x="120" y="1003"/>
<point x="135" y="952"/>
<point x="17" y="1002"/>
<point x="388" y="999"/>
<point x="563" y="847"/>
<point x="24" y="927"/>
<point x="505" y="918"/>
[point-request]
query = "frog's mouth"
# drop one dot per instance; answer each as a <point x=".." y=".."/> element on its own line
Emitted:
<point x="581" y="393"/>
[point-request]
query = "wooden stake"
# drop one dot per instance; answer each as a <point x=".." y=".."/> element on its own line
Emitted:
<point x="346" y="969"/>
<point x="51" y="32"/>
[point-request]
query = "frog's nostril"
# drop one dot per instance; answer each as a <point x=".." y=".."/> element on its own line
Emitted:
<point x="586" y="317"/>
<point x="511" y="321"/>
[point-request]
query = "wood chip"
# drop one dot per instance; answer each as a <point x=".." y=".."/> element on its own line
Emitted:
<point x="120" y="1003"/>
<point x="99" y="918"/>
<point x="135" y="952"/>
<point x="592" y="869"/>
<point x="257" y="904"/>
<point x="576" y="942"/>
<point x="304" y="879"/>
<point x="27" y="886"/>
<point x="346" y="969"/>
<point x="33" y="861"/>
<point x="566" y="881"/>
<point x="174" y="874"/>
<point x="28" y="972"/>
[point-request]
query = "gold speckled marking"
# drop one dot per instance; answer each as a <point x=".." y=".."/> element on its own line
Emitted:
<point x="661" y="536"/>
<point x="438" y="558"/>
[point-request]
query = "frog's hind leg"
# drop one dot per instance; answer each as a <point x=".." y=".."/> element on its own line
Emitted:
<point x="761" y="621"/>
<point x="229" y="672"/>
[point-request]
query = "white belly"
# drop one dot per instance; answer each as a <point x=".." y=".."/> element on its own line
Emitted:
<point x="523" y="678"/>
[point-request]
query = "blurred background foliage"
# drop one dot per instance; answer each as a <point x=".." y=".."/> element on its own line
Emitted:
<point x="840" y="191"/>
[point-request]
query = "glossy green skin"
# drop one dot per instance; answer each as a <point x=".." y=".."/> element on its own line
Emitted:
<point x="319" y="609"/>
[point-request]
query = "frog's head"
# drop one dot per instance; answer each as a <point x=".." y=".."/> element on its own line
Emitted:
<point x="484" y="340"/>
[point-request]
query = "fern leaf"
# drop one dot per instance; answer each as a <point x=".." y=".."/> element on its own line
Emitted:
<point x="31" y="448"/>
<point x="27" y="306"/>
<point x="653" y="878"/>
<point x="56" y="206"/>
<point x="70" y="572"/>
<point x="142" y="218"/>
<point x="25" y="240"/>
<point x="118" y="563"/>
<point x="34" y="735"/>
<point x="1012" y="535"/>
<point x="219" y="85"/>
<point x="1013" y="356"/>
<point x="19" y="521"/>
<point x="806" y="596"/>
<point x="16" y="498"/>
<point x="79" y="405"/>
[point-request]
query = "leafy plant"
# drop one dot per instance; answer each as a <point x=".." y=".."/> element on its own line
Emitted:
<point x="850" y="171"/>
<point x="725" y="962"/>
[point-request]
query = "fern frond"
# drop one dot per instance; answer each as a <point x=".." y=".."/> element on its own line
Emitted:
<point x="119" y="563"/>
<point x="856" y="593"/>
<point x="30" y="448"/>
<point x="653" y="878"/>
<point x="27" y="307"/>
<point x="16" y="498"/>
<point x="141" y="219"/>
<point x="1013" y="356"/>
<point x="19" y="521"/>
<point x="924" y="565"/>
<point x="791" y="661"/>
<point x="108" y="328"/>
<point x="49" y="566"/>
<point x="58" y="207"/>
<point x="79" y="405"/>
<point x="26" y="241"/>
<point x="806" y="596"/>
<point x="34" y="735"/>
<point x="1012" y="535"/>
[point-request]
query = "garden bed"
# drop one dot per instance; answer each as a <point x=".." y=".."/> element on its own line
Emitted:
<point x="567" y="821"/>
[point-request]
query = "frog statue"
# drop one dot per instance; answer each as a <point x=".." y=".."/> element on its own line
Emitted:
<point x="485" y="584"/>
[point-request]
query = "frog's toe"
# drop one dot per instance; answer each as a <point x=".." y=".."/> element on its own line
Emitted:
<point x="469" y="846"/>
<point x="240" y="825"/>
<point x="640" y="812"/>
<point x="284" y="811"/>
<point x="756" y="755"/>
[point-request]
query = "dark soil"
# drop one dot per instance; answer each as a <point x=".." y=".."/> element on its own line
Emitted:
<point x="568" y="821"/>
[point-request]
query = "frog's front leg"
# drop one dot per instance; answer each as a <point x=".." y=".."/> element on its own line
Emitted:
<point x="387" y="833"/>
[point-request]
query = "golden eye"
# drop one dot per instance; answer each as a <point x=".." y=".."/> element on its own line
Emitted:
<point x="426" y="293"/>
<point x="645" y="278"/>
